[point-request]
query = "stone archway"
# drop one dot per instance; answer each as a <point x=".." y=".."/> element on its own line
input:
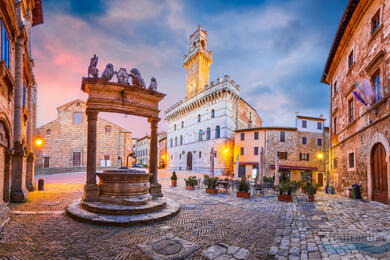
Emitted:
<point x="374" y="144"/>
<point x="189" y="161"/>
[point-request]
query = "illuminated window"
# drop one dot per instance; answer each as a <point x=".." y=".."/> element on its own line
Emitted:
<point x="282" y="155"/>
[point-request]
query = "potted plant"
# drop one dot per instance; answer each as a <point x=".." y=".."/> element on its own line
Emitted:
<point x="211" y="185"/>
<point x="173" y="179"/>
<point x="285" y="189"/>
<point x="243" y="188"/>
<point x="311" y="190"/>
<point x="190" y="183"/>
<point x="318" y="187"/>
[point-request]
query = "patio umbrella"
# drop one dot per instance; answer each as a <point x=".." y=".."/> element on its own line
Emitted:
<point x="276" y="171"/>
<point x="236" y="171"/>
<point x="212" y="163"/>
<point x="261" y="167"/>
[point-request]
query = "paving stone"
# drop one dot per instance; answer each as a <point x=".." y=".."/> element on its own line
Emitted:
<point x="242" y="254"/>
<point x="233" y="249"/>
<point x="213" y="251"/>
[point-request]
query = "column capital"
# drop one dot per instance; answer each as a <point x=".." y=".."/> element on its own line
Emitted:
<point x="153" y="119"/>
<point x="91" y="115"/>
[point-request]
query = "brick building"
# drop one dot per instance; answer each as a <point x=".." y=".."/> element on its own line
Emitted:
<point x="162" y="151"/>
<point x="360" y="130"/>
<point x="17" y="100"/>
<point x="205" y="120"/>
<point x="298" y="148"/>
<point x="65" y="140"/>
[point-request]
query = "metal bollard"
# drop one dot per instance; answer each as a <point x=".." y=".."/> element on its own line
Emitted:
<point x="41" y="184"/>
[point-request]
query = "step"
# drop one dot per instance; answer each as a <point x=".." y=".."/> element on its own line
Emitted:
<point x="131" y="201"/>
<point x="75" y="211"/>
<point x="119" y="209"/>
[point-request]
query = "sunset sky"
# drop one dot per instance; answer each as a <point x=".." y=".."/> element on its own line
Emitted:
<point x="275" y="50"/>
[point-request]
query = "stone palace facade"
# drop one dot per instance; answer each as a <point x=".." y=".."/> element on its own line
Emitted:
<point x="65" y="140"/>
<point x="207" y="117"/>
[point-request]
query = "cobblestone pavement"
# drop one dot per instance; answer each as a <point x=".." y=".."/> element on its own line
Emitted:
<point x="332" y="227"/>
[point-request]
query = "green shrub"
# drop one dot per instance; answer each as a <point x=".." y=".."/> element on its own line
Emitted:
<point x="243" y="185"/>
<point x="310" y="188"/>
<point x="191" y="181"/>
<point x="174" y="177"/>
<point x="285" y="188"/>
<point x="268" y="179"/>
<point x="211" y="182"/>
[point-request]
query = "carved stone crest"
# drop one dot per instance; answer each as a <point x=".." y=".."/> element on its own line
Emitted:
<point x="122" y="76"/>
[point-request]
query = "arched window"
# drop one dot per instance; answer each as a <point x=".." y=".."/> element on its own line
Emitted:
<point x="174" y="127"/>
<point x="212" y="113"/>
<point x="200" y="135"/>
<point x="182" y="124"/>
<point x="217" y="132"/>
<point x="181" y="140"/>
<point x="208" y="133"/>
<point x="175" y="140"/>
<point x="198" y="118"/>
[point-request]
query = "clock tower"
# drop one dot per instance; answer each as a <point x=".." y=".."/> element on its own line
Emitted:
<point x="197" y="63"/>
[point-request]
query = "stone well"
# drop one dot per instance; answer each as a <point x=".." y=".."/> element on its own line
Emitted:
<point x="124" y="199"/>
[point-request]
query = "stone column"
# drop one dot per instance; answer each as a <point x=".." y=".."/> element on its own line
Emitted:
<point x="18" y="184"/>
<point x="31" y="158"/>
<point x="91" y="190"/>
<point x="155" y="187"/>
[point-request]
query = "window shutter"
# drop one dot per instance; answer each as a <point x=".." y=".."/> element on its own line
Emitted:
<point x="307" y="156"/>
<point x="279" y="155"/>
<point x="285" y="156"/>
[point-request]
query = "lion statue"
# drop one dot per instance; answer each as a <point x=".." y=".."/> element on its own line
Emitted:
<point x="108" y="72"/>
<point x="137" y="80"/>
<point x="153" y="84"/>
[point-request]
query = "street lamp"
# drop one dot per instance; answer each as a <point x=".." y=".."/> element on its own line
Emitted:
<point x="320" y="156"/>
<point x="38" y="142"/>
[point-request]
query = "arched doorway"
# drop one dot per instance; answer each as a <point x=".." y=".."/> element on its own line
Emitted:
<point x="379" y="173"/>
<point x="189" y="161"/>
<point x="4" y="162"/>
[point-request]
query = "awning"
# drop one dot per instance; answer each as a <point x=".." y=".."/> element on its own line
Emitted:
<point x="293" y="167"/>
<point x="248" y="163"/>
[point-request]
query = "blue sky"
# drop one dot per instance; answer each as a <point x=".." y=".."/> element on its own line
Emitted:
<point x="275" y="50"/>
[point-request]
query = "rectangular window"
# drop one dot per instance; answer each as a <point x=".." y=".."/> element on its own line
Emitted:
<point x="304" y="123"/>
<point x="376" y="85"/>
<point x="351" y="160"/>
<point x="304" y="140"/>
<point x="282" y="136"/>
<point x="24" y="95"/>
<point x="256" y="150"/>
<point x="319" y="142"/>
<point x="200" y="154"/>
<point x="375" y="22"/>
<point x="48" y="131"/>
<point x="107" y="129"/>
<point x="242" y="151"/>
<point x="46" y="162"/>
<point x="256" y="135"/>
<point x="242" y="136"/>
<point x="350" y="59"/>
<point x="304" y="157"/>
<point x="282" y="155"/>
<point x="77" y="118"/>
<point x="4" y="44"/>
<point x="319" y="125"/>
<point x="335" y="163"/>
<point x="350" y="111"/>
<point x="335" y="125"/>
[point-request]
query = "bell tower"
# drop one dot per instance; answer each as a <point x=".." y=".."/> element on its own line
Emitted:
<point x="197" y="63"/>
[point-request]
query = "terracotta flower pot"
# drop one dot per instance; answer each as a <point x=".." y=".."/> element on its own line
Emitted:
<point x="310" y="198"/>
<point x="318" y="188"/>
<point x="211" y="191"/>
<point x="286" y="198"/>
<point x="173" y="183"/>
<point x="190" y="187"/>
<point x="241" y="194"/>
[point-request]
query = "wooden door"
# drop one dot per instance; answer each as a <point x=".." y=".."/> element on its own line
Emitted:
<point x="189" y="161"/>
<point x="320" y="179"/>
<point x="241" y="171"/>
<point x="379" y="173"/>
<point x="76" y="159"/>
<point x="46" y="162"/>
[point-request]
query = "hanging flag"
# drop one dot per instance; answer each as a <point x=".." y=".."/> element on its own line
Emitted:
<point x="358" y="97"/>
